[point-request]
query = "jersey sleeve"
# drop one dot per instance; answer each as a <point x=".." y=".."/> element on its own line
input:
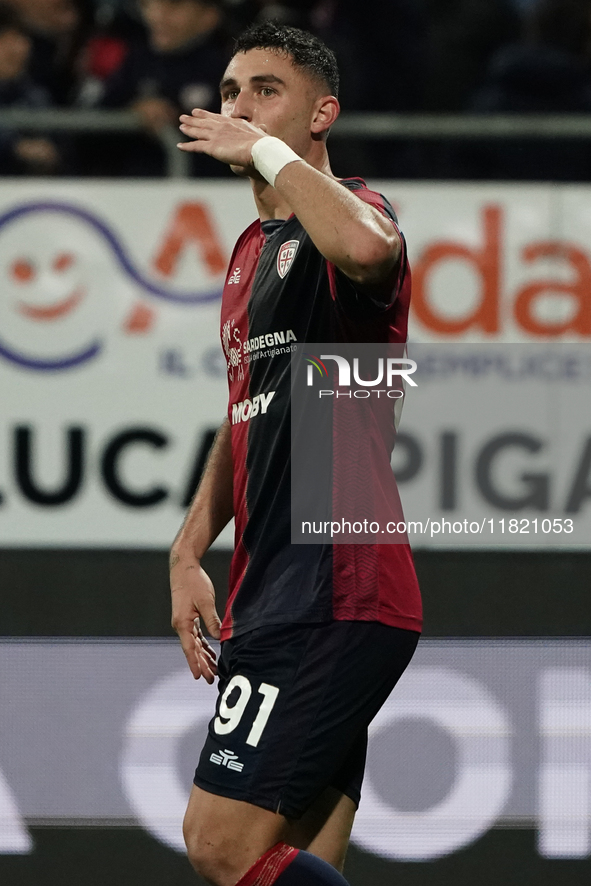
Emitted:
<point x="372" y="298"/>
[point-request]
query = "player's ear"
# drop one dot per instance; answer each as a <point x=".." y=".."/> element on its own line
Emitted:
<point x="326" y="111"/>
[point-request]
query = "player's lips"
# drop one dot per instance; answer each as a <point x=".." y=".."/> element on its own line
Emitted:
<point x="54" y="311"/>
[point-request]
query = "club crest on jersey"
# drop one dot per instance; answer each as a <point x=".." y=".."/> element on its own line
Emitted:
<point x="285" y="256"/>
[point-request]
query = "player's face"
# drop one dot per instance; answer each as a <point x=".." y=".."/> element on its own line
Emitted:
<point x="266" y="89"/>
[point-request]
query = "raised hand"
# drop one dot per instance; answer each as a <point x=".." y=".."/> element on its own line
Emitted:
<point x="228" y="139"/>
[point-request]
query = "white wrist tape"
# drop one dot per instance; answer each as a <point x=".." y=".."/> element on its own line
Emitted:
<point x="270" y="155"/>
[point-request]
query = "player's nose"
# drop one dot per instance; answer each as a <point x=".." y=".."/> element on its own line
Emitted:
<point x="242" y="107"/>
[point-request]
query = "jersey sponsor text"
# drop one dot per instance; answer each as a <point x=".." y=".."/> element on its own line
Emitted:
<point x="247" y="409"/>
<point x="268" y="340"/>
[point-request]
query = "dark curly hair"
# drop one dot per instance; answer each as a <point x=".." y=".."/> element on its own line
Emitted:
<point x="306" y="50"/>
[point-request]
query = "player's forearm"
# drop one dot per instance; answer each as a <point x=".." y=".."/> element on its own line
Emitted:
<point x="348" y="232"/>
<point x="212" y="507"/>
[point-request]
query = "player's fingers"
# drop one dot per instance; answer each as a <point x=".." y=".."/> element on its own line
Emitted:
<point x="206" y="661"/>
<point x="210" y="122"/>
<point x="203" y="114"/>
<point x="203" y="644"/>
<point x="207" y="665"/>
<point x="210" y="652"/>
<point x="200" y="123"/>
<point x="197" y="122"/>
<point x="199" y="132"/>
<point x="195" y="147"/>
<point x="210" y="618"/>
<point x="198" y="634"/>
<point x="208" y="670"/>
<point x="187" y="641"/>
<point x="195" y="115"/>
<point x="205" y="652"/>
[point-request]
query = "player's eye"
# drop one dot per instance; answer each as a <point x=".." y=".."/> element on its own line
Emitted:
<point x="231" y="95"/>
<point x="267" y="90"/>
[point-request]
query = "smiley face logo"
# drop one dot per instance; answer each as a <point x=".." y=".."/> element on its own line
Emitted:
<point x="68" y="282"/>
<point x="49" y="304"/>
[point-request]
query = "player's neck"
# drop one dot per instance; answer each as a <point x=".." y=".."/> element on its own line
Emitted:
<point x="270" y="204"/>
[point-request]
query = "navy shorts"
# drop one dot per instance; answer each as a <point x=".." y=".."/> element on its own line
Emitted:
<point x="294" y="705"/>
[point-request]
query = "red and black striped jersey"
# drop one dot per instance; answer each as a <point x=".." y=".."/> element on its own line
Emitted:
<point x="280" y="291"/>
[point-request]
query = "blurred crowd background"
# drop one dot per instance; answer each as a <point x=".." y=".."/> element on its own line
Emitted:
<point x="162" y="57"/>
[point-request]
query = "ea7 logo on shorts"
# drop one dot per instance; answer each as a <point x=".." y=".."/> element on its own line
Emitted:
<point x="227" y="758"/>
<point x="285" y="256"/>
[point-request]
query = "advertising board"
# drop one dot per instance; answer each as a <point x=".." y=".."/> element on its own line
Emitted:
<point x="113" y="379"/>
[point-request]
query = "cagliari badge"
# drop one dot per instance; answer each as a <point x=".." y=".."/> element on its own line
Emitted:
<point x="285" y="256"/>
